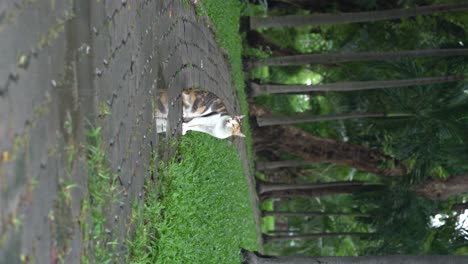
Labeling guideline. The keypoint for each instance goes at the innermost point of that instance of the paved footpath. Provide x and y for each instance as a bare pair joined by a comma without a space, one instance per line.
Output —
67,67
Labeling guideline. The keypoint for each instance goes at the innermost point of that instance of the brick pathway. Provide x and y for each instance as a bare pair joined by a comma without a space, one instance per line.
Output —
67,66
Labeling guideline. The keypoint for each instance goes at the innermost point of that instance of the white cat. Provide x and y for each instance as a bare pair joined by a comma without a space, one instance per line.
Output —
217,125
203,111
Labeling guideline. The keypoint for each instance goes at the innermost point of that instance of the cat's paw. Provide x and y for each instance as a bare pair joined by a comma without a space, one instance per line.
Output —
184,129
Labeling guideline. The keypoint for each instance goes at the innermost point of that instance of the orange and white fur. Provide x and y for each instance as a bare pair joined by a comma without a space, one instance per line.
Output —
217,125
203,112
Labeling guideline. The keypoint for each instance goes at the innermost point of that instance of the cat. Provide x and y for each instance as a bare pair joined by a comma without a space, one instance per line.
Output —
217,125
203,111
198,103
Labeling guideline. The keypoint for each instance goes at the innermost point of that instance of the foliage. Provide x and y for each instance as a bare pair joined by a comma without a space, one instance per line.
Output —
201,213
102,188
431,140
428,138
402,222
327,246
400,219
436,242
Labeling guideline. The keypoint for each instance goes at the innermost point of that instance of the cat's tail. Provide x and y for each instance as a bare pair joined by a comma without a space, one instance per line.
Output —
161,125
162,105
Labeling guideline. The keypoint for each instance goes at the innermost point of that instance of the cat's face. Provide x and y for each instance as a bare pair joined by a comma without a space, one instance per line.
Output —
235,124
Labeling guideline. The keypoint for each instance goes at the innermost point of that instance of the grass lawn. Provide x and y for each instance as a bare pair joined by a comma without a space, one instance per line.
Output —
225,16
200,211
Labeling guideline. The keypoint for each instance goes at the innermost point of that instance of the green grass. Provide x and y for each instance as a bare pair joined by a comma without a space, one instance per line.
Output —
201,212
102,188
225,17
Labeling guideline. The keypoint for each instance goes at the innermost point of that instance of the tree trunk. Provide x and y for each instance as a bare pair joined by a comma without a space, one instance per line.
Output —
322,6
334,187
442,190
310,213
332,58
306,5
297,142
267,238
259,89
275,190
352,17
256,258
271,165
303,118
312,193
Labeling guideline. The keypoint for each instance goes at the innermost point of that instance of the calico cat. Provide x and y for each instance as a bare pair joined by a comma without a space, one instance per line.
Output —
217,125
197,103
203,111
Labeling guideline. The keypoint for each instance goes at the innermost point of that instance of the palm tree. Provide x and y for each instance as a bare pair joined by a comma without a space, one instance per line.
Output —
293,140
443,189
259,89
333,58
434,137
402,220
351,17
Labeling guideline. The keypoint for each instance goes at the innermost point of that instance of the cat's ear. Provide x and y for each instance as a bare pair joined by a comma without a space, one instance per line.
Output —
239,134
239,118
